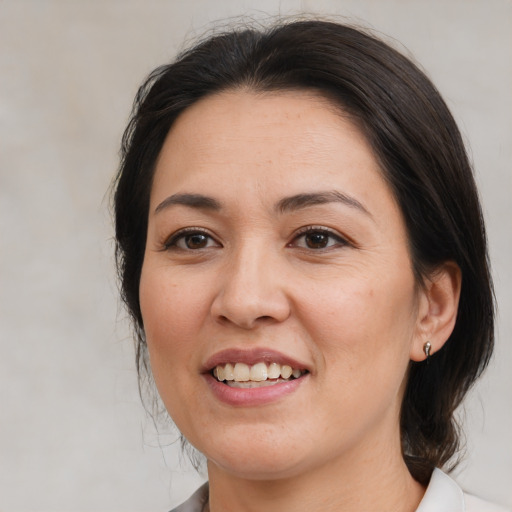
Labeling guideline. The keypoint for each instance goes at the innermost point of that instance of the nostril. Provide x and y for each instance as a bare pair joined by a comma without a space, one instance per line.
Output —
261,306
247,323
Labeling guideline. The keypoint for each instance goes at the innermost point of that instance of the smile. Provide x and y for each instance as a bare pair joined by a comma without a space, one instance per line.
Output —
241,375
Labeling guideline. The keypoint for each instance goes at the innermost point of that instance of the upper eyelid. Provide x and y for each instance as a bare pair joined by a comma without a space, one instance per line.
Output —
168,241
171,239
343,240
323,229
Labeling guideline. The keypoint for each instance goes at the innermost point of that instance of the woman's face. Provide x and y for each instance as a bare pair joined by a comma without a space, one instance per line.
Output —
274,242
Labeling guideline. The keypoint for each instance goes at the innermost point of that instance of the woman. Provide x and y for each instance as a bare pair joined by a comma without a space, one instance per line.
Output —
302,250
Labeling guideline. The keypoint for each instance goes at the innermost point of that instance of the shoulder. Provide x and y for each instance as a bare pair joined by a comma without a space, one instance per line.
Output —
443,494
196,502
474,504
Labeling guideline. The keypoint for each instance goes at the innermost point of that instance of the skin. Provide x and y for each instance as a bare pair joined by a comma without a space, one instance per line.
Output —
351,311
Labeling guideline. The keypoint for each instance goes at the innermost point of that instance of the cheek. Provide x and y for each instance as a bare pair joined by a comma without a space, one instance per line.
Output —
363,325
172,313
366,335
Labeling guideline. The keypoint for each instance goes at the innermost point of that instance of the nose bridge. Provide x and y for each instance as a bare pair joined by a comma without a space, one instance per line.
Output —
251,287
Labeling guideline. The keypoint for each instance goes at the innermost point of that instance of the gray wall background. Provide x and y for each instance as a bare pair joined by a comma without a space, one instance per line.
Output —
73,435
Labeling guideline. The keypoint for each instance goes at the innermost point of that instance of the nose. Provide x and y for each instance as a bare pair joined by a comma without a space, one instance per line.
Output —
252,290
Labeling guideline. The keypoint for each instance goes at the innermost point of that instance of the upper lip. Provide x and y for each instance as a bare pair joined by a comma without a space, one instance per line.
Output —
250,357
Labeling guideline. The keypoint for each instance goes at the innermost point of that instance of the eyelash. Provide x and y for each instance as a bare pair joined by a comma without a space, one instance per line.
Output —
182,234
309,230
172,242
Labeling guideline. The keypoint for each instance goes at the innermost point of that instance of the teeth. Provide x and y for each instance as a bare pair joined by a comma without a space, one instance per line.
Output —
228,372
274,371
286,371
241,372
220,373
251,384
257,373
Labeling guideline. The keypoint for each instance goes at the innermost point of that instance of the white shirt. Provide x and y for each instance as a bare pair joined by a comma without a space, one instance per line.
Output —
442,495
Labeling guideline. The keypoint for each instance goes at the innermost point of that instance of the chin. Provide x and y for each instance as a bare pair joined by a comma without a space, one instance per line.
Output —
256,456
259,468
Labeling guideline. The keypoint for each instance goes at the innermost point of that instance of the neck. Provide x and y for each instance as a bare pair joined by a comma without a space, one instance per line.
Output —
377,483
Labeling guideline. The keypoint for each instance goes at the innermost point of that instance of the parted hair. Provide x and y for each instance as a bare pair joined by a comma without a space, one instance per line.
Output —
422,156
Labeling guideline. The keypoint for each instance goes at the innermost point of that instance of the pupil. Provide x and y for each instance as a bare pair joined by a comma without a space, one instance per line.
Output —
196,241
316,240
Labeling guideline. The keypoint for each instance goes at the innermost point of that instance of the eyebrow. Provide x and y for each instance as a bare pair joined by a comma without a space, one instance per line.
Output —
287,204
191,200
300,201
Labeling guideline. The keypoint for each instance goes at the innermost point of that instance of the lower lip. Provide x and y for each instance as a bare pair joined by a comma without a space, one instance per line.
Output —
247,397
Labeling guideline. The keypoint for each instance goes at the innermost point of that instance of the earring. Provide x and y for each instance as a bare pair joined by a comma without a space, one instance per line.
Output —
426,349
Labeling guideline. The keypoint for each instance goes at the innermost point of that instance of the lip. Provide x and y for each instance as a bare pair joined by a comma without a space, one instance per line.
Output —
250,397
250,357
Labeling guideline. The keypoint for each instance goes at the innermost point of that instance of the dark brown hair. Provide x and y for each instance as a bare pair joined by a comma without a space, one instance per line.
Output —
422,156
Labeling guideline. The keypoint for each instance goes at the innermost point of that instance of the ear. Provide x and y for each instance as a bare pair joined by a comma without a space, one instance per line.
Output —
437,309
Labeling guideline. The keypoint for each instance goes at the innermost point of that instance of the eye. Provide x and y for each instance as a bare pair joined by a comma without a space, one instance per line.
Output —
317,238
191,239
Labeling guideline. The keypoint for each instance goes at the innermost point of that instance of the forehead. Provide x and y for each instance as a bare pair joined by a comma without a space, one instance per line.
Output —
263,117
278,143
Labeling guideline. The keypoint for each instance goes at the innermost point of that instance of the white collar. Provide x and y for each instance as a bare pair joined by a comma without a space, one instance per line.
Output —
442,495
